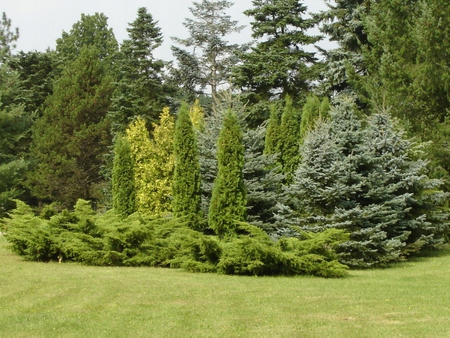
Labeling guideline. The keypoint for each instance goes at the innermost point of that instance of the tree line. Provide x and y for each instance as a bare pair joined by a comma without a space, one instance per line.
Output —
259,147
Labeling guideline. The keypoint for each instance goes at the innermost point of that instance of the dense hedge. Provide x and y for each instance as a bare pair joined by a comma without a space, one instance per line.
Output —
139,240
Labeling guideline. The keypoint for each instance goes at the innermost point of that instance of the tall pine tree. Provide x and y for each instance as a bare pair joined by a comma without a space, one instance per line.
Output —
72,137
212,54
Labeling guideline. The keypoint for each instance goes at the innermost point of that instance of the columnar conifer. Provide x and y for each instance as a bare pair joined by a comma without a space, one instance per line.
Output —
186,181
123,187
313,111
272,131
228,202
138,137
162,163
288,142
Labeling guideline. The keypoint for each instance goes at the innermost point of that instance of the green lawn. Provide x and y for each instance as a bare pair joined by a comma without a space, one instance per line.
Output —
51,299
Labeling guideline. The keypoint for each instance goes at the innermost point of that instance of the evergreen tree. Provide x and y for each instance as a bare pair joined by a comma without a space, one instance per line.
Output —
153,164
262,180
187,180
7,37
278,64
289,140
408,68
140,90
186,76
138,138
92,32
261,174
313,111
37,72
228,201
162,164
272,131
343,23
71,138
123,185
207,32
14,131
197,116
366,182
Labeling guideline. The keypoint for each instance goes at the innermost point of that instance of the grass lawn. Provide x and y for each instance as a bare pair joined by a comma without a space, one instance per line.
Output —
51,299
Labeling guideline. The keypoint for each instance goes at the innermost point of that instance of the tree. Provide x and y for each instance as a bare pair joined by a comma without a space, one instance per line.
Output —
14,130
162,163
153,164
367,182
7,37
343,23
207,33
228,201
261,174
186,180
289,140
138,138
313,111
408,67
140,90
197,116
91,31
186,75
37,72
272,131
123,185
72,136
278,65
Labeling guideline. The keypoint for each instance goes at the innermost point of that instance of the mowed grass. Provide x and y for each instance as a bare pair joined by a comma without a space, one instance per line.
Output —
59,300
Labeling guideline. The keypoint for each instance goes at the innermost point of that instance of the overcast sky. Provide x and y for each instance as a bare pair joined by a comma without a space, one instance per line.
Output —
41,22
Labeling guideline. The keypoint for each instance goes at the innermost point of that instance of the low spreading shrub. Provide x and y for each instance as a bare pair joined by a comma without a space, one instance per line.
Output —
140,240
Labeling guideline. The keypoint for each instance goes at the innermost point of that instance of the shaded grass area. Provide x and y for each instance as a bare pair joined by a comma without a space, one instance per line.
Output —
71,300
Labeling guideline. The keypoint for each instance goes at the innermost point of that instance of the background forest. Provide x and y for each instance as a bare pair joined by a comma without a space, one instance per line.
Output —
262,158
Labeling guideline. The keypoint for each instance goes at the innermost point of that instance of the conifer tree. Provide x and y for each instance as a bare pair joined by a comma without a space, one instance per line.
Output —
197,116
162,164
289,141
228,202
123,185
343,23
92,32
312,112
14,131
139,90
72,137
272,131
212,55
138,138
278,65
366,182
8,37
153,164
262,177
186,180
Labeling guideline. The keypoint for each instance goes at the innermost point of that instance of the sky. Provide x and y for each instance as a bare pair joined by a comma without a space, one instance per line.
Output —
41,22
